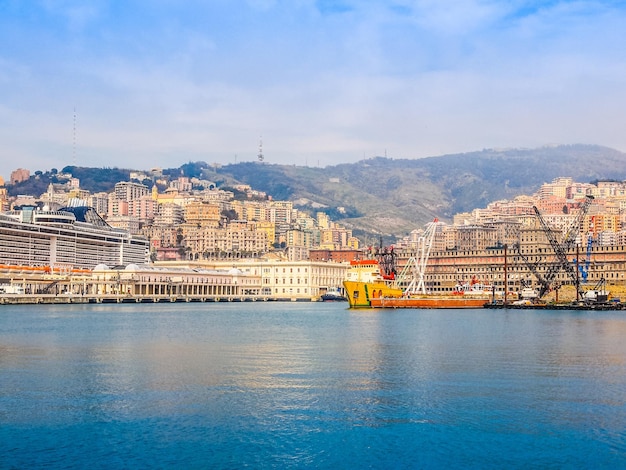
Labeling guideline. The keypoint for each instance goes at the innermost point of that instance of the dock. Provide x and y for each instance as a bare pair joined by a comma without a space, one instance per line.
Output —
33,299
559,306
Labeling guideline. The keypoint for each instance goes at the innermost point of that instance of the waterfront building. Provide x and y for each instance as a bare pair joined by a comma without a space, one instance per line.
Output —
446,269
282,279
132,283
143,281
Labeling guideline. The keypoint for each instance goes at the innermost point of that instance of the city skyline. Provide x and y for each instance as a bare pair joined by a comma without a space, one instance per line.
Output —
144,84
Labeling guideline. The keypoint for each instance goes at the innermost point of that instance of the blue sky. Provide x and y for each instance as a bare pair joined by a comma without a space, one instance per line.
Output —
164,82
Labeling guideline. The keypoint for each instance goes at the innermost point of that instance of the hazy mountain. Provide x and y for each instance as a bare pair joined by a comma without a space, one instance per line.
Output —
394,196
390,196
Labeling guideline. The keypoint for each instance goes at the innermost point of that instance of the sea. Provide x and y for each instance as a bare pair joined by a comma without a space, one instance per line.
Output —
309,385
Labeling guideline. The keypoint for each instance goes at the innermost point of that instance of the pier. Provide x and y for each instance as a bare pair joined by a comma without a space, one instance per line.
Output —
31,299
559,306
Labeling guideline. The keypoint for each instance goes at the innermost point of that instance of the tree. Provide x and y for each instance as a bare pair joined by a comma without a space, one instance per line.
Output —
230,214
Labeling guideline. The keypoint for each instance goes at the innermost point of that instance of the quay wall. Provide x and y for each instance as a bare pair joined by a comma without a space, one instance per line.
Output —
33,299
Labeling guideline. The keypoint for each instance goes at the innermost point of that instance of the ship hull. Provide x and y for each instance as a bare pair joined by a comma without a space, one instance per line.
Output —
457,301
360,294
333,298
382,295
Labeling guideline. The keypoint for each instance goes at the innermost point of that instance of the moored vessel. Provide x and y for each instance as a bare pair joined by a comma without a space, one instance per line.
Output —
372,283
333,294
367,288
371,278
364,282
430,301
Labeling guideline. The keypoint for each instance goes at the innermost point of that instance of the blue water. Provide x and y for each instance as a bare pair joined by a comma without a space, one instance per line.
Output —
275,385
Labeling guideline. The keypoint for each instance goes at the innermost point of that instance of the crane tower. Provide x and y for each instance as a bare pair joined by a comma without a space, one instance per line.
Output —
417,264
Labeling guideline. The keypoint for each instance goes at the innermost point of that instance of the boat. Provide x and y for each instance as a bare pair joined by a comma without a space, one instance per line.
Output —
371,278
430,301
365,281
333,294
373,283
381,293
69,239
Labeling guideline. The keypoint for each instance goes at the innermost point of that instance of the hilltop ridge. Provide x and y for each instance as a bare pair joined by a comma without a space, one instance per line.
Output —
392,196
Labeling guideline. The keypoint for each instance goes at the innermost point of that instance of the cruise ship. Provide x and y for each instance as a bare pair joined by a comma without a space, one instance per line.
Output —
71,238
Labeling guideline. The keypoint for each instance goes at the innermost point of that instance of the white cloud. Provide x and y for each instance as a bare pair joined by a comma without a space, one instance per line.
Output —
416,78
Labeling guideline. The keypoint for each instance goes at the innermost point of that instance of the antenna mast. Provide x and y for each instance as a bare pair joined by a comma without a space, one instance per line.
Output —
260,156
74,140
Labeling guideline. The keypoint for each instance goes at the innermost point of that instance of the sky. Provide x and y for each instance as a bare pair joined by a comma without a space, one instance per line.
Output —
158,83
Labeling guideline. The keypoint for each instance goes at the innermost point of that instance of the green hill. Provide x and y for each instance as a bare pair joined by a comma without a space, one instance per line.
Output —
389,196
394,196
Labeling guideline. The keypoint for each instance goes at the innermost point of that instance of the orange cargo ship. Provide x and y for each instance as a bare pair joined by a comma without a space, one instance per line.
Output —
430,301
368,286
372,283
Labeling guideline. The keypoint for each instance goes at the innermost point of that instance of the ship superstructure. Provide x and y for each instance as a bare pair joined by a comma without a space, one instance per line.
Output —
68,238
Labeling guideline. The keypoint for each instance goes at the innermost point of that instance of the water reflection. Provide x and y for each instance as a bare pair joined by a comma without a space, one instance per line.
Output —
288,383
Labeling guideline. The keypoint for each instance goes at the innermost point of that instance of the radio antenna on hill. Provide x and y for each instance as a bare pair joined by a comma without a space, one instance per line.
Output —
260,155
74,140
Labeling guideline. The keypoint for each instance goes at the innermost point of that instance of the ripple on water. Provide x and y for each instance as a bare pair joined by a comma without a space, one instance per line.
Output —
299,385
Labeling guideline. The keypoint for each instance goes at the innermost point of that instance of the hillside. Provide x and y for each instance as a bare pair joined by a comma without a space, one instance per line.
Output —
391,196
394,196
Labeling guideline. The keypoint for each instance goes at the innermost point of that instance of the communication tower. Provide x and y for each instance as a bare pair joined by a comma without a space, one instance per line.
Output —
260,155
74,139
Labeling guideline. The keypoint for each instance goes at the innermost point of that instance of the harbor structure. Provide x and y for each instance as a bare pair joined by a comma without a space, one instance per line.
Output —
266,280
447,269
281,278
132,283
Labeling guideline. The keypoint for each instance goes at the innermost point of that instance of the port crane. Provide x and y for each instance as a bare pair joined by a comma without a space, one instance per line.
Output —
417,264
532,267
561,249
584,268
